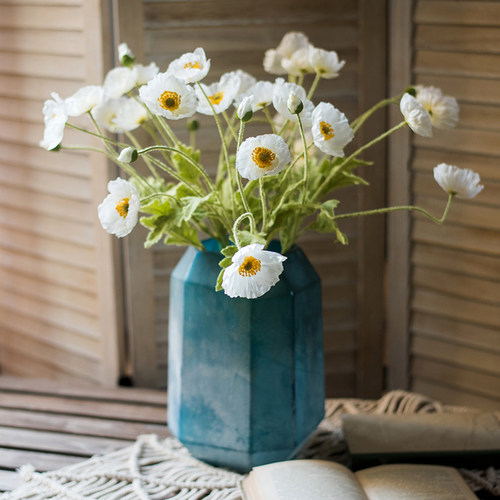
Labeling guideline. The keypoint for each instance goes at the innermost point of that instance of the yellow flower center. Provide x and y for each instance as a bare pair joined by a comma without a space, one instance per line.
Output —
250,267
326,130
170,100
216,98
122,207
263,157
190,65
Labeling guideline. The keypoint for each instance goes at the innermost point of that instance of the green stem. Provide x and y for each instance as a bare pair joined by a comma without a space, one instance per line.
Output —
237,222
263,203
137,146
230,125
314,85
101,136
356,124
269,119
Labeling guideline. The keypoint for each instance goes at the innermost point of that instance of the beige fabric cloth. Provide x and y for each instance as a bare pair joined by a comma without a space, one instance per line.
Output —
157,470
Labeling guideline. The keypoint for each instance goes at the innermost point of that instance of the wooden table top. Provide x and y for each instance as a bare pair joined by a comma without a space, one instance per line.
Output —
51,424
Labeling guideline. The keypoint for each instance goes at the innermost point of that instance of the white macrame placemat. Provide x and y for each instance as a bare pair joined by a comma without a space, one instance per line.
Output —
156,470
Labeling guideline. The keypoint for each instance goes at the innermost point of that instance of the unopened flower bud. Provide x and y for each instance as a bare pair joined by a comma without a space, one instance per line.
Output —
126,56
193,125
412,91
294,104
128,155
245,111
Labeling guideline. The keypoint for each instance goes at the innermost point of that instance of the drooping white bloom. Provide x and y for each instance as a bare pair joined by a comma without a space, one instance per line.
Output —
325,62
168,96
417,118
244,111
119,81
281,93
462,182
294,104
443,110
127,155
125,55
298,63
119,211
253,272
84,100
106,112
145,73
130,114
272,62
190,67
330,129
220,94
265,154
55,116
262,95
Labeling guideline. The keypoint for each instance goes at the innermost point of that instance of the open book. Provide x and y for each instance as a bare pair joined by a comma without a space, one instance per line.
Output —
323,480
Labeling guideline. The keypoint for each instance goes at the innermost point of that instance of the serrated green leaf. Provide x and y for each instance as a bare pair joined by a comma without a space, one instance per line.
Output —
247,238
225,262
218,284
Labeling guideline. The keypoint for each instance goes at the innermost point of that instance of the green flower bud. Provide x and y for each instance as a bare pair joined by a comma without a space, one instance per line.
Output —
128,155
193,125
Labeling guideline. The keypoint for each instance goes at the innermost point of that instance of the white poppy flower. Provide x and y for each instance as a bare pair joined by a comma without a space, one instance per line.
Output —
125,55
220,94
265,154
84,99
190,67
145,73
246,80
119,211
417,118
443,110
330,129
261,93
130,114
272,62
55,116
119,81
325,62
106,112
244,111
253,272
298,63
462,182
291,42
281,93
167,96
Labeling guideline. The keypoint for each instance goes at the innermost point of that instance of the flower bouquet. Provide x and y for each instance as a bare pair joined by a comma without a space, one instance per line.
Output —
245,377
277,185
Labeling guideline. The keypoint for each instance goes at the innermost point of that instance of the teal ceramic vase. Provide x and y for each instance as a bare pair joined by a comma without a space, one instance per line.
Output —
245,376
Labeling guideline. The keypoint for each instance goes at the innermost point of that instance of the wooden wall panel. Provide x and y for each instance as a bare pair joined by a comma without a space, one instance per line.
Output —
454,278
237,38
58,314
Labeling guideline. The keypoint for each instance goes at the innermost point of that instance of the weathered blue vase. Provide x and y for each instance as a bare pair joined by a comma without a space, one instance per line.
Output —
245,376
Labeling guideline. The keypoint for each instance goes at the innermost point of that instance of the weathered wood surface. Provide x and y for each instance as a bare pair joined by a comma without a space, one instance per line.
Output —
51,424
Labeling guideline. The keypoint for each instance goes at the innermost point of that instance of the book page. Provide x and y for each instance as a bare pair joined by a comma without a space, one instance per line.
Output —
414,482
300,480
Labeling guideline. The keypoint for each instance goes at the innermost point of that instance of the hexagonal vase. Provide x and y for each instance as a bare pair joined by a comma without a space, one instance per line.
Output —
245,376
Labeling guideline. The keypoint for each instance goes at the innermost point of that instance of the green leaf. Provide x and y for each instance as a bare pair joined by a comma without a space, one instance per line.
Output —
247,238
218,284
157,225
229,251
185,234
225,262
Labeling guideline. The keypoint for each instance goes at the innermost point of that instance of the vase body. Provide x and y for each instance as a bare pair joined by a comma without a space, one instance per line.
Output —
245,376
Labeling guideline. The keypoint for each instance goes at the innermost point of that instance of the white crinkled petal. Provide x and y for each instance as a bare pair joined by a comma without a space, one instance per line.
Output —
417,118
463,182
119,81
84,99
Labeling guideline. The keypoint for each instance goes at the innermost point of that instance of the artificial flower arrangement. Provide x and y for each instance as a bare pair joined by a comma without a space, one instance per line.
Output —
275,185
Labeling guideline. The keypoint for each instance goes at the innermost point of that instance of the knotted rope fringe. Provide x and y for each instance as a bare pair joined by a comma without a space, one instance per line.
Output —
154,470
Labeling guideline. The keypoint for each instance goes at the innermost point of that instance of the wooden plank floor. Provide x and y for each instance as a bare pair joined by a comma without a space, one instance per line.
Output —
51,424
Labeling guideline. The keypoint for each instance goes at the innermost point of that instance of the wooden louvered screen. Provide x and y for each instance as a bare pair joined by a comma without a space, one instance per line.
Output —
237,38
454,307
58,307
